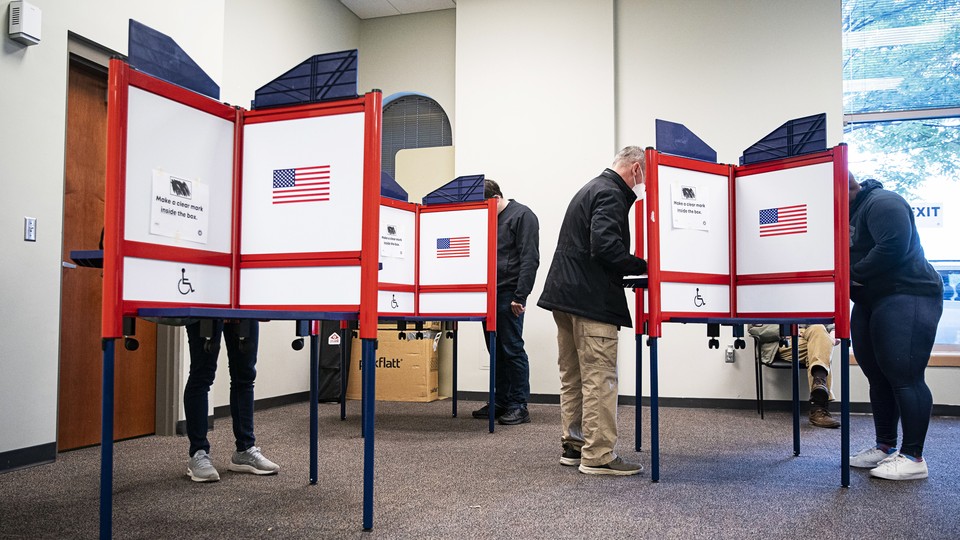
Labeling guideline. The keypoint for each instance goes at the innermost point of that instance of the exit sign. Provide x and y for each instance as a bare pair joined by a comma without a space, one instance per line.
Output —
928,214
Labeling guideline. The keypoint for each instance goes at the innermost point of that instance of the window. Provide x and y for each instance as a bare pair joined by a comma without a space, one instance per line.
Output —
901,71
411,121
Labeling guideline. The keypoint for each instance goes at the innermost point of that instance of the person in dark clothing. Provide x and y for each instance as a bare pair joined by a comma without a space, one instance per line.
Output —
898,300
584,291
518,257
242,357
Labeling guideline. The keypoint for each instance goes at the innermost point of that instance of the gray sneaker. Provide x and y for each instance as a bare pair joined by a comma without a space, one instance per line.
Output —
617,467
201,469
252,461
869,458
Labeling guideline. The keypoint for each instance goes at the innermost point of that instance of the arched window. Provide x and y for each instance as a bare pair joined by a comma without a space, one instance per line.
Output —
411,121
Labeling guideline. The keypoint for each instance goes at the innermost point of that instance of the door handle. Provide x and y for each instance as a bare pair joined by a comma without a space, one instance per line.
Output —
68,264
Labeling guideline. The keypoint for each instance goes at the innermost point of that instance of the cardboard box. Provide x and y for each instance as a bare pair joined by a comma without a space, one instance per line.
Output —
406,369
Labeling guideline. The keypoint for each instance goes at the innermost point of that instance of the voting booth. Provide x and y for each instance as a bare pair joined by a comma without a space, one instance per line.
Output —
761,242
217,212
754,241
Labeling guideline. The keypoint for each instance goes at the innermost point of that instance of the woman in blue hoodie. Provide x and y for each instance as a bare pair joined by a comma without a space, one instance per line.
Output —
898,300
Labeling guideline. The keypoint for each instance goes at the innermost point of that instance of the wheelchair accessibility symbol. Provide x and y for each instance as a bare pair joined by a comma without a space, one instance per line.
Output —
393,301
184,285
698,300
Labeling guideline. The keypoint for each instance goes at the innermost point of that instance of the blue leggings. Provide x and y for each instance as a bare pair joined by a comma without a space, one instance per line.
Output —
892,340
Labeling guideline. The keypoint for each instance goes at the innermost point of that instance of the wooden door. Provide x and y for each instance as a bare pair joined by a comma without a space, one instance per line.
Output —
81,360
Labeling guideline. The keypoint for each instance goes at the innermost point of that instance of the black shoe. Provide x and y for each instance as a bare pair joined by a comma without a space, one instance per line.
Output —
484,412
570,456
819,393
515,416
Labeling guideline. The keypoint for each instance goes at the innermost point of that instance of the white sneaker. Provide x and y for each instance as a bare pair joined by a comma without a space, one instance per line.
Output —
900,467
869,458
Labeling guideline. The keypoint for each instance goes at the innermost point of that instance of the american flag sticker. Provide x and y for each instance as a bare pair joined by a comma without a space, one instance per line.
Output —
783,220
454,246
302,184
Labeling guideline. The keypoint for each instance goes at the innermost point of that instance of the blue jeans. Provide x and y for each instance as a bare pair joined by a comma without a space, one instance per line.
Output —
512,377
203,368
892,340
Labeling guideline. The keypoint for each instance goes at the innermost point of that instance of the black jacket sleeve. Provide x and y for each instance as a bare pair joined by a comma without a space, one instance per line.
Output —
528,244
606,237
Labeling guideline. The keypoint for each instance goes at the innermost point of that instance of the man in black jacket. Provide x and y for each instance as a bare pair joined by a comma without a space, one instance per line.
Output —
584,290
897,303
518,256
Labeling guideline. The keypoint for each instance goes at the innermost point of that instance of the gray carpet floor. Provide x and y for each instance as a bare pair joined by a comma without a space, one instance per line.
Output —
724,474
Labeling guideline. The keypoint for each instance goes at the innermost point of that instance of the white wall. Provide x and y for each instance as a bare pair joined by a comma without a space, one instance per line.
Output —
262,40
33,108
535,112
411,53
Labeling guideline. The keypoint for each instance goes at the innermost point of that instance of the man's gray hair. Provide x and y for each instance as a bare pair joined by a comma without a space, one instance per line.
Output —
630,155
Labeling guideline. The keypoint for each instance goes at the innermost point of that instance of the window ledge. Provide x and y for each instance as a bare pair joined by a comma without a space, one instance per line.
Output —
937,359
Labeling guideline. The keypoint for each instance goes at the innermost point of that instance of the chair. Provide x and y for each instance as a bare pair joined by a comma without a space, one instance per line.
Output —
778,363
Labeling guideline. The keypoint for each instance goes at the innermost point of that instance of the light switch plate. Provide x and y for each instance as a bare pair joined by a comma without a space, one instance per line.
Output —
30,229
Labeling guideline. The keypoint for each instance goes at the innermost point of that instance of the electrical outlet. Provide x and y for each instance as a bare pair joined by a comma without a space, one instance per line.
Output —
729,356
29,229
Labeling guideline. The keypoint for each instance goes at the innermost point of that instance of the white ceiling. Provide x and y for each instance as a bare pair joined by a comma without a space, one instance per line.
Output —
369,9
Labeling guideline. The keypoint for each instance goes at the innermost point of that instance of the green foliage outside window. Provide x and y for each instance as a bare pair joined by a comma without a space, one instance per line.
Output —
902,55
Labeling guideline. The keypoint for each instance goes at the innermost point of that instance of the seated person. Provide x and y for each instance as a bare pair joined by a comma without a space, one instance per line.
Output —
815,350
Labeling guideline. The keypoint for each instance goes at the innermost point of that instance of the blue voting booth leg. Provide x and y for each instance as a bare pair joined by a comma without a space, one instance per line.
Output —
106,442
637,432
492,400
344,335
453,389
845,412
314,382
368,399
795,350
654,414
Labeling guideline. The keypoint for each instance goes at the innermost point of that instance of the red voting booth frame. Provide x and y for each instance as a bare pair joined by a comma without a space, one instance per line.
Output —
117,310
489,288
839,276
115,307
650,316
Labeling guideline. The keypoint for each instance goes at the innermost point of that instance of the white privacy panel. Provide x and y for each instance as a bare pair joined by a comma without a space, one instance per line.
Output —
694,221
694,297
169,281
458,303
303,185
786,298
785,220
300,286
395,303
179,174
397,248
453,247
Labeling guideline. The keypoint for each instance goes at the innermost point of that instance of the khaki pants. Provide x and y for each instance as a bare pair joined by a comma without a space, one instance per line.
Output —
588,386
815,349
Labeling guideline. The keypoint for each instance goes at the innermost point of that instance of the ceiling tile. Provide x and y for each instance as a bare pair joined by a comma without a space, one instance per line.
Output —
369,9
